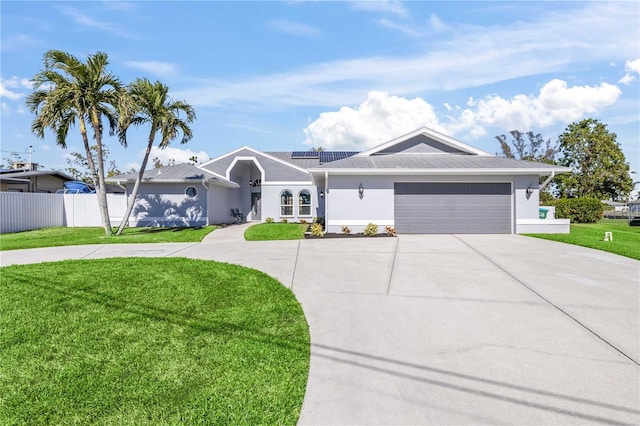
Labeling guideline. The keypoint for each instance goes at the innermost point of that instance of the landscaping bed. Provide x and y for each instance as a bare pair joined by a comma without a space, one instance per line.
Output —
308,236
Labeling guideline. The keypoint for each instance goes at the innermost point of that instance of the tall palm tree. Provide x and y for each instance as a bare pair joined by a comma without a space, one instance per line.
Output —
69,91
149,104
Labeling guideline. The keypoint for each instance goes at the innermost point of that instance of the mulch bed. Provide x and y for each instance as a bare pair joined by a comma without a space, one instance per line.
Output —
335,235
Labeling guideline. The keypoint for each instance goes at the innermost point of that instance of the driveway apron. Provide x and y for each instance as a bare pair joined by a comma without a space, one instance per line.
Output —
445,329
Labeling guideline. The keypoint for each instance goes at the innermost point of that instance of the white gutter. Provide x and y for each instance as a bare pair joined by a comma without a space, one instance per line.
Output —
447,171
547,181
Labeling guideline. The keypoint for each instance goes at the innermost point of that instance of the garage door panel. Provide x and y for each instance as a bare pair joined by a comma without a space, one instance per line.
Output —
432,207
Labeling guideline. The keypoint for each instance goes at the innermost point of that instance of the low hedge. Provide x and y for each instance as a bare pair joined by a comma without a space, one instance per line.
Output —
579,210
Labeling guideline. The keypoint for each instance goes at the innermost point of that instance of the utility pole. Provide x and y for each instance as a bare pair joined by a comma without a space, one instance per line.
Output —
30,158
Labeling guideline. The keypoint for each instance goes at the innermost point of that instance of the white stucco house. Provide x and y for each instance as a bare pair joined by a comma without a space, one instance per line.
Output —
421,182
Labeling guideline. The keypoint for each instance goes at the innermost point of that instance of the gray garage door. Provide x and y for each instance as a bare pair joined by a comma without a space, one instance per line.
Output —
453,208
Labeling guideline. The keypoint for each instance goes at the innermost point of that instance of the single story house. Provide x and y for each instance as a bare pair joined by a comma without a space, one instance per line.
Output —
421,182
25,180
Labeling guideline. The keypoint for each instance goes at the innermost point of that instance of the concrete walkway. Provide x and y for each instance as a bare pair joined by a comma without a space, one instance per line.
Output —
445,329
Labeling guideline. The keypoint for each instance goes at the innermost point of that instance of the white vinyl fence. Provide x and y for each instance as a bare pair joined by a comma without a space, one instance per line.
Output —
21,211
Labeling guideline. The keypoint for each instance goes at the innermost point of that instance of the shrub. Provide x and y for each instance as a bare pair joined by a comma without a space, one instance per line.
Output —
371,230
579,210
284,220
268,220
390,230
303,222
346,230
319,220
316,230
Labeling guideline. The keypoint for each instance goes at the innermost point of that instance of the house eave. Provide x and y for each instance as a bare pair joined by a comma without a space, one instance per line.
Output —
440,172
211,181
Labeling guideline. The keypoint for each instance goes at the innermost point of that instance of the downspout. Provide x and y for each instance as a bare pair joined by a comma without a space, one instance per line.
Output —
204,185
326,201
121,187
547,182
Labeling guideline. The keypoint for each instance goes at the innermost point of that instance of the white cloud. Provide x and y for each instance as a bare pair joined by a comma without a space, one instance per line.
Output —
85,20
382,117
132,166
631,68
176,154
468,56
556,103
293,28
382,6
7,87
163,69
379,118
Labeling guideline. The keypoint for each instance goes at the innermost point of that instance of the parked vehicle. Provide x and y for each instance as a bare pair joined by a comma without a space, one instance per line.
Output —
76,187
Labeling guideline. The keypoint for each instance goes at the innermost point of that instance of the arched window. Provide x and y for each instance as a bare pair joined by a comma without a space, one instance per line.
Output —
304,203
286,203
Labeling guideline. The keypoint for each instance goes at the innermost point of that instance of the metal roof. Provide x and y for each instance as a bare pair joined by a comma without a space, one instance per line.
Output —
451,162
176,173
310,159
26,174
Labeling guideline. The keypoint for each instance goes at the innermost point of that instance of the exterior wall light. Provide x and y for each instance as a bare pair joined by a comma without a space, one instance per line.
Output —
529,191
321,194
361,190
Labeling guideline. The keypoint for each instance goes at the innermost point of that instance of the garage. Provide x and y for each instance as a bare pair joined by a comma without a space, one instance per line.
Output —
453,207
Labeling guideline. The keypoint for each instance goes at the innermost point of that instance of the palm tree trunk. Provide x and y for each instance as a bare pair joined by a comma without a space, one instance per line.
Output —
87,148
101,190
136,186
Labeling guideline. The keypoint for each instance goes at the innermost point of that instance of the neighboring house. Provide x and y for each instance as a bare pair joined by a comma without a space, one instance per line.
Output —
422,182
25,180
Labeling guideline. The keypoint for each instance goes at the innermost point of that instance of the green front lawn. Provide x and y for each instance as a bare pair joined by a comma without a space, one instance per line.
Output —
626,239
149,341
63,236
275,231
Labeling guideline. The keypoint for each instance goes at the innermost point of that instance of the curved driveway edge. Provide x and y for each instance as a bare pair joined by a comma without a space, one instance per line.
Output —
445,329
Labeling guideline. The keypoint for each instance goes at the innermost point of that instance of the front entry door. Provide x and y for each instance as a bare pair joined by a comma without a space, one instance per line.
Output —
256,213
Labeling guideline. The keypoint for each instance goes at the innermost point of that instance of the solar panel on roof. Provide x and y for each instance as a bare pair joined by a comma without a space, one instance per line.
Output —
331,156
304,154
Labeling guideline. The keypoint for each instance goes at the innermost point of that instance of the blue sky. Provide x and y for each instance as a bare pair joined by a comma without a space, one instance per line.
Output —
282,76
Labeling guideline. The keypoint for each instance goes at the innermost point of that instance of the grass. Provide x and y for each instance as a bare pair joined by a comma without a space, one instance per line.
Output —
275,231
149,341
626,239
64,236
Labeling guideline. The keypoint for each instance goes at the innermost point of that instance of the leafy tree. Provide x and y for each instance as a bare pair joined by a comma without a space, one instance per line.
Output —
533,148
67,91
148,103
79,165
599,167
13,157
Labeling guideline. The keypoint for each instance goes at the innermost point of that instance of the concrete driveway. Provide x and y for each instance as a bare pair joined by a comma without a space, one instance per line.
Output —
446,329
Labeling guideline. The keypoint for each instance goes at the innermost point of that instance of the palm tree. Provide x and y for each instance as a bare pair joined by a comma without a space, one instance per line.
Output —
69,90
149,104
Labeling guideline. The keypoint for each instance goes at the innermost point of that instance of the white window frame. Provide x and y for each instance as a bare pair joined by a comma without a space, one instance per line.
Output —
301,205
285,206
